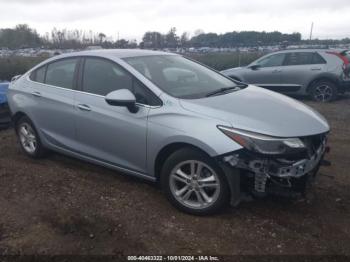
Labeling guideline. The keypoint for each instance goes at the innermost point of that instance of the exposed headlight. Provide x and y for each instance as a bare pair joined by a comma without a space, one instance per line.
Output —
263,144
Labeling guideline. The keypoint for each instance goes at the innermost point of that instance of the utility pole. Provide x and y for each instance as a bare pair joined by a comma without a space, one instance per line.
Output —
312,27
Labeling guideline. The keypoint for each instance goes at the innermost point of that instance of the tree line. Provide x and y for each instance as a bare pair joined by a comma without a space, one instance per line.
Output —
22,36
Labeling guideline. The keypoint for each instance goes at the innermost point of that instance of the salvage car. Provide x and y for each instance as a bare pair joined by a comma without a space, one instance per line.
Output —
206,138
322,74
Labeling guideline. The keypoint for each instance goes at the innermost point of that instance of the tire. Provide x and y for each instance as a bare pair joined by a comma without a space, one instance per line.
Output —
29,139
176,177
324,91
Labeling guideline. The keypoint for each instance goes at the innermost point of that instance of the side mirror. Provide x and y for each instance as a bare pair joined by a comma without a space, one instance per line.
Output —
254,67
122,97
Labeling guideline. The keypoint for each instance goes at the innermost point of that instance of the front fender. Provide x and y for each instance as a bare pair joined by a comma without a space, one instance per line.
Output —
197,132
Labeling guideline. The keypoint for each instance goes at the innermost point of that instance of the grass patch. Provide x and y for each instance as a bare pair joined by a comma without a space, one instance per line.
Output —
17,65
221,61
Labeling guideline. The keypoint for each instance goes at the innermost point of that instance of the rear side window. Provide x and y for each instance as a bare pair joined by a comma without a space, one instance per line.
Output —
61,73
38,75
102,77
317,59
303,58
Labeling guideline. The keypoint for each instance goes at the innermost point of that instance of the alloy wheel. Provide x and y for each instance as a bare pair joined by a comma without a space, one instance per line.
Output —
194,184
28,138
323,93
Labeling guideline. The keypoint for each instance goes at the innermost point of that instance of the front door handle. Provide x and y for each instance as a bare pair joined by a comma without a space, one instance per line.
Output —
84,107
277,71
36,94
315,68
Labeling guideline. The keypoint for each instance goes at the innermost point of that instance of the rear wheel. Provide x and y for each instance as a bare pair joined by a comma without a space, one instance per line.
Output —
28,138
324,91
194,183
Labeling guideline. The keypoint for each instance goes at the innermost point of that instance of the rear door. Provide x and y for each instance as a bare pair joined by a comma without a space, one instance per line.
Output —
299,69
53,91
108,133
268,71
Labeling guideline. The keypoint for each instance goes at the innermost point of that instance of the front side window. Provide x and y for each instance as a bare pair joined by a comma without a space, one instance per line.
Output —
180,77
61,73
101,77
272,60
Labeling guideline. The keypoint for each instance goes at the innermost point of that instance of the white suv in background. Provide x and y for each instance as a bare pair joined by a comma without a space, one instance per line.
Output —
321,74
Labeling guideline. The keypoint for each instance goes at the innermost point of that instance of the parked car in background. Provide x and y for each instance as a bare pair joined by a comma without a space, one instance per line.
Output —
4,111
321,74
207,139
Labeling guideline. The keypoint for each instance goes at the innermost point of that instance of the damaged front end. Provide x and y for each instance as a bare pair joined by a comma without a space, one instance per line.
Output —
286,173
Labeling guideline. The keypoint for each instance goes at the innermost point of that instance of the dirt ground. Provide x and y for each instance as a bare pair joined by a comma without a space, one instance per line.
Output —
61,205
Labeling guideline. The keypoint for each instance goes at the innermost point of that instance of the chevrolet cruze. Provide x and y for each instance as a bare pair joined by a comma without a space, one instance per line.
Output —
207,139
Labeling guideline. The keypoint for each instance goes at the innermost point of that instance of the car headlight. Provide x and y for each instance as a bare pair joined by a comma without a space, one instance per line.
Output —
263,144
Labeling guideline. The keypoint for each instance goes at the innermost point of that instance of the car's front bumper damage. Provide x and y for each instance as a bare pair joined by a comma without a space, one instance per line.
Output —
261,175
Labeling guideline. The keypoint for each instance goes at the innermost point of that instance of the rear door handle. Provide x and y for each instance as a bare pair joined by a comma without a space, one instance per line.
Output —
84,107
36,94
277,71
315,68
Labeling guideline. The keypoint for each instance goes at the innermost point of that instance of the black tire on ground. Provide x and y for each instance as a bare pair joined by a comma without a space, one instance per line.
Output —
40,151
323,91
187,154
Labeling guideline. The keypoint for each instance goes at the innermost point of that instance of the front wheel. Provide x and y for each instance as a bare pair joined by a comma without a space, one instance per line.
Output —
324,91
194,183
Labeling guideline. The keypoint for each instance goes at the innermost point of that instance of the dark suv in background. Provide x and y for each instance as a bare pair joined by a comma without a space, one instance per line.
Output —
321,74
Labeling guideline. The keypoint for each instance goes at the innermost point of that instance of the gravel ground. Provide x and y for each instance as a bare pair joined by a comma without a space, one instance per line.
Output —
61,205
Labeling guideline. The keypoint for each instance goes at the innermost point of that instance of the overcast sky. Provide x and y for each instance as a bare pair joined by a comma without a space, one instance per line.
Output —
131,18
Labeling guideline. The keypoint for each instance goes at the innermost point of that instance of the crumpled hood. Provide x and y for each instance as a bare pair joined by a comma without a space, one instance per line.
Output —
259,110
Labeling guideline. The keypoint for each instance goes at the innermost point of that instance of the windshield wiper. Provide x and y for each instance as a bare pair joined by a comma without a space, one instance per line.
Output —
222,90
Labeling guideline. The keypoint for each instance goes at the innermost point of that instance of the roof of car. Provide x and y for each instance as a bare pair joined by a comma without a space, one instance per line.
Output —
120,53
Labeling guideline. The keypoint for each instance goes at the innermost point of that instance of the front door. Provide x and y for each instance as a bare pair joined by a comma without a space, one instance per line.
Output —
267,71
111,134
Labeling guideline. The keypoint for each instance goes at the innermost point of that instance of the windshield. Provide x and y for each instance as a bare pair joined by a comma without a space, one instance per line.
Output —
180,77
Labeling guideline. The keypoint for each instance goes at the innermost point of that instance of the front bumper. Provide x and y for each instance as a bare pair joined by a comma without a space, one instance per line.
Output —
282,176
